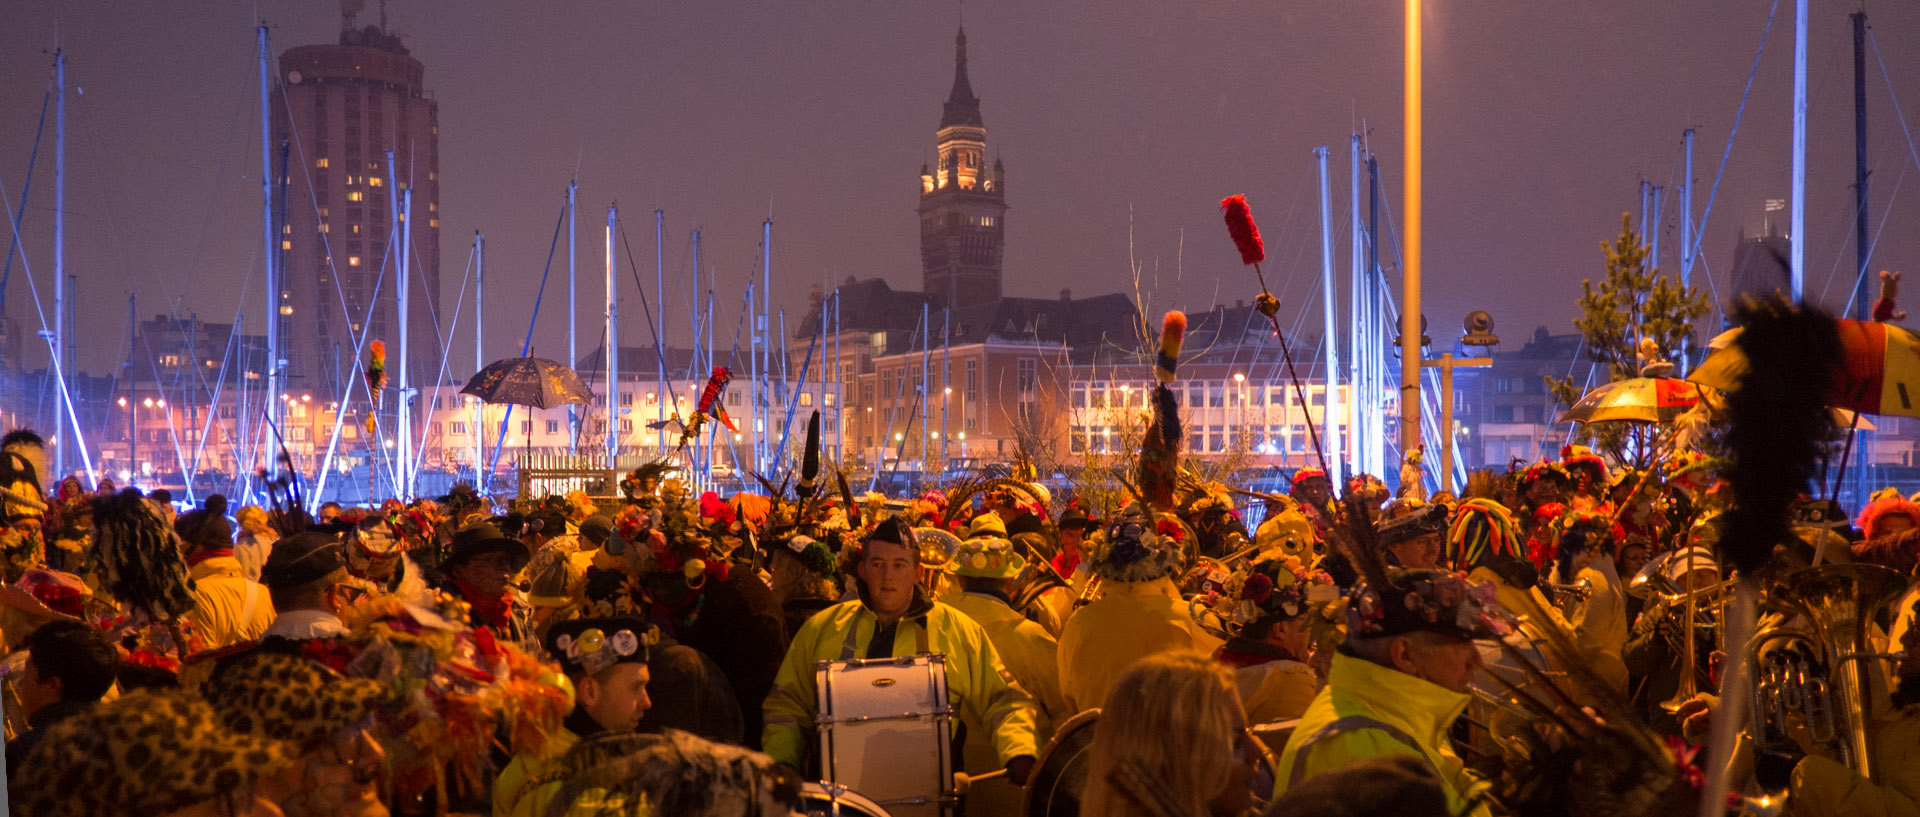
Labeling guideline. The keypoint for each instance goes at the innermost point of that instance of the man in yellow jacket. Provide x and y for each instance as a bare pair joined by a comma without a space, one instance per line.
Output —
1399,682
606,661
893,618
1139,612
229,608
987,565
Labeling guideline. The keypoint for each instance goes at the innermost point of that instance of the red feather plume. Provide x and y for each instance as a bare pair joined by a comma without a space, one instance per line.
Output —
1240,225
711,394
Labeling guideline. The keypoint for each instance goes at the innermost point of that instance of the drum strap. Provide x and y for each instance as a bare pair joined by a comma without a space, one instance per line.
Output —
1350,723
849,649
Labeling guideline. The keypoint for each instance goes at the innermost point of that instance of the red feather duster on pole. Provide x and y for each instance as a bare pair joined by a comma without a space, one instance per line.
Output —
1240,225
376,368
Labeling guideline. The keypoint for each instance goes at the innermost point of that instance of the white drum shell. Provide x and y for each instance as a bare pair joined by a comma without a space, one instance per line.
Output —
885,728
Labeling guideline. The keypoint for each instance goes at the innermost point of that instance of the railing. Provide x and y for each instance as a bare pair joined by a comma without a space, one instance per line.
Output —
550,474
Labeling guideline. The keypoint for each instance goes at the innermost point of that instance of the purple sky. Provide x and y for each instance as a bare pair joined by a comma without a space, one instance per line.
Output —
1111,116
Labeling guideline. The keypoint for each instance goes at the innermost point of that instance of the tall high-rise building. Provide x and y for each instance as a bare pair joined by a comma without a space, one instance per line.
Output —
341,108
963,205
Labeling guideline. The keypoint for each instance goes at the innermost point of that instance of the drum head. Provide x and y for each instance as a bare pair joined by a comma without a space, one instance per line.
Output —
1054,788
828,800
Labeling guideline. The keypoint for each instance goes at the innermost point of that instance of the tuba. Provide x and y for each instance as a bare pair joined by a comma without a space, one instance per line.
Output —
1825,673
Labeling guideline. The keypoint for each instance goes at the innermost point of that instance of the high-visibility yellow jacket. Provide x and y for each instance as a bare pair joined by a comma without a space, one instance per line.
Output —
1368,711
1822,786
978,684
519,791
1130,621
1029,654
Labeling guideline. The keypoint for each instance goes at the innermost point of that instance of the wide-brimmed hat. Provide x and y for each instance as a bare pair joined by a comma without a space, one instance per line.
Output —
302,558
987,557
1413,524
1076,517
289,698
148,752
482,537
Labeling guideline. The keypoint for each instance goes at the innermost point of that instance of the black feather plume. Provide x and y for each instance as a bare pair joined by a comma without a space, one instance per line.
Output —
1779,417
810,461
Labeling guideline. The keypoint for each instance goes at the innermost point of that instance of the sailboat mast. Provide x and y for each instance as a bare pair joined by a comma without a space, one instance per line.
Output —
405,405
60,339
479,353
1330,340
612,350
573,305
660,313
1798,221
1366,437
275,386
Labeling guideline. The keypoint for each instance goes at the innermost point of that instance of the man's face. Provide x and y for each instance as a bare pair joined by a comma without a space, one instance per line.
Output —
1632,558
329,512
1543,491
617,697
1071,536
1421,551
36,691
487,572
1294,636
1445,660
889,569
1316,491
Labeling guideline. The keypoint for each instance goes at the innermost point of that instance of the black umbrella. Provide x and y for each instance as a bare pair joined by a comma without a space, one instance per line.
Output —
528,381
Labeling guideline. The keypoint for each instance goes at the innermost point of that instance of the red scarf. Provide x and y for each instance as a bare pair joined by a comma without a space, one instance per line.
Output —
495,611
204,555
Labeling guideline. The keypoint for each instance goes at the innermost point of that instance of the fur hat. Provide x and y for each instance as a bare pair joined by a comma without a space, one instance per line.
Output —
1873,518
268,694
145,753
1137,547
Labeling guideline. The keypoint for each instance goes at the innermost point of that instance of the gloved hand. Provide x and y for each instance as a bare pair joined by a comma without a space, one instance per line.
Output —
1773,765
1019,769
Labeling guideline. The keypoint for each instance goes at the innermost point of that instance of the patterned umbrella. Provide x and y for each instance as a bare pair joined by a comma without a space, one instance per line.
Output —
1639,399
528,381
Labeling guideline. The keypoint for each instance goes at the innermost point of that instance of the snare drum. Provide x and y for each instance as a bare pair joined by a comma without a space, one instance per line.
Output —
1053,790
828,800
886,730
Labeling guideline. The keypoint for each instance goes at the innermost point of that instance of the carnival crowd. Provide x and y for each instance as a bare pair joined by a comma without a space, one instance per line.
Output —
1550,636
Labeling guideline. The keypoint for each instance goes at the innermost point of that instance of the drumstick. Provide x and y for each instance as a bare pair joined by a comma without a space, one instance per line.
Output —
963,781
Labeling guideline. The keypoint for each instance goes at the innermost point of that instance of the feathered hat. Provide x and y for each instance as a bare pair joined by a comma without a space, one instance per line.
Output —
1579,460
1873,518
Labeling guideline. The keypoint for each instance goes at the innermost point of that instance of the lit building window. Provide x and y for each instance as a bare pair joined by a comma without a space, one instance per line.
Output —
353,260
286,245
355,195
324,228
285,310
320,163
433,222
373,181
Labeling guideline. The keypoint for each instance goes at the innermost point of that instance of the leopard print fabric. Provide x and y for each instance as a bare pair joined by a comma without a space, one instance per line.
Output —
290,698
146,753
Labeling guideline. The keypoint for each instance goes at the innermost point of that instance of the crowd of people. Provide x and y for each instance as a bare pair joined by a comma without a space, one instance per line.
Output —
1546,642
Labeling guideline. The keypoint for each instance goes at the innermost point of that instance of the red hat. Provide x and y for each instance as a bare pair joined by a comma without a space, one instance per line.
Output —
1305,474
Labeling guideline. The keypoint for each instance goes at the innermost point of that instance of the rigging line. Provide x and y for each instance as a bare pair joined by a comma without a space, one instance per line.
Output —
526,347
347,384
66,398
33,159
446,344
659,349
1700,230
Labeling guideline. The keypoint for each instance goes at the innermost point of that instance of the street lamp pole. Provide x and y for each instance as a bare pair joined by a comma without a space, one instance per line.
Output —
1410,263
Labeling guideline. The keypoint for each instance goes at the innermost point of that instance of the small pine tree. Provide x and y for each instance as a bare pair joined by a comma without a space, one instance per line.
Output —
1634,302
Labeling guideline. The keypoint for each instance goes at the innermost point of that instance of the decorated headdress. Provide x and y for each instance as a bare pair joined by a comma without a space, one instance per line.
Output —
585,646
1542,470
1435,601
1158,472
672,772
1301,476
1271,589
1415,523
1579,459
1873,517
23,474
1137,547
1686,461
987,557
812,553
1578,531
1287,531
1482,528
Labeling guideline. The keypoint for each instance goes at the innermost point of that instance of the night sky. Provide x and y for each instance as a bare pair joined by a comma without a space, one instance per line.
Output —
1121,123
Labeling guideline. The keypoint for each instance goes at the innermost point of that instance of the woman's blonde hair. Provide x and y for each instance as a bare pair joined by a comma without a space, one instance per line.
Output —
1174,717
252,517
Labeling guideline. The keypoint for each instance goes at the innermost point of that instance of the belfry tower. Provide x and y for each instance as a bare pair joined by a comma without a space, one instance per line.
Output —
962,205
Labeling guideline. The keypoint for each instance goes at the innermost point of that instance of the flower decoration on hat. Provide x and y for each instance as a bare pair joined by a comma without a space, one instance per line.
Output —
987,557
1688,461
20,551
1272,588
1543,470
1138,548
1425,600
